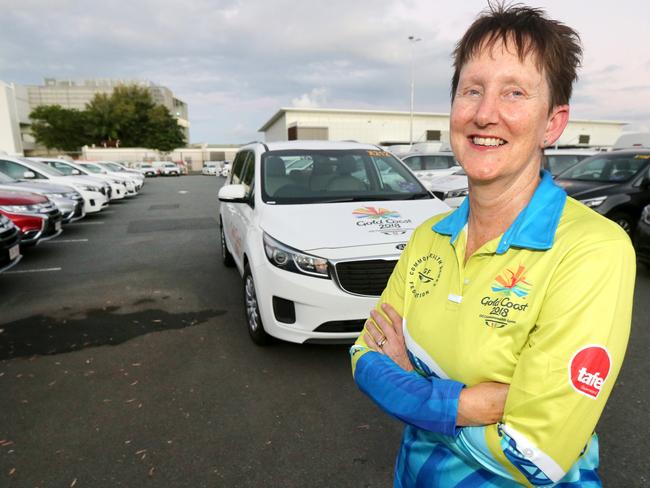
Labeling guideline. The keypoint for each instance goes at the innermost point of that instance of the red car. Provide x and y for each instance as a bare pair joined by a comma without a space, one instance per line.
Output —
35,215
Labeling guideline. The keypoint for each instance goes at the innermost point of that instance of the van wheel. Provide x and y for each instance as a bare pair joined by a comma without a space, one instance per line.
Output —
226,257
253,318
624,220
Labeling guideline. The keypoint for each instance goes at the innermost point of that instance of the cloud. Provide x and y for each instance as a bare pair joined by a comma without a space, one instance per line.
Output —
235,63
314,99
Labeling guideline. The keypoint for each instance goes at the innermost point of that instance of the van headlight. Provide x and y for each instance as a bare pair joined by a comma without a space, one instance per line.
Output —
289,259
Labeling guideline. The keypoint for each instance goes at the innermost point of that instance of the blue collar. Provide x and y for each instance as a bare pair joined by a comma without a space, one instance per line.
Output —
534,227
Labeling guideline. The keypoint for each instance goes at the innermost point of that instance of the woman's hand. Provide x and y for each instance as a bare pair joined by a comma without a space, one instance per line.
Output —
386,336
482,404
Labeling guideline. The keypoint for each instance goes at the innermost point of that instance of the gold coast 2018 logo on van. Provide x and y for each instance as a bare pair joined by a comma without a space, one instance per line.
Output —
424,274
511,289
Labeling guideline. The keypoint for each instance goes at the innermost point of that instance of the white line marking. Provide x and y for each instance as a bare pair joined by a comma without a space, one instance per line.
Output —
43,270
182,192
58,241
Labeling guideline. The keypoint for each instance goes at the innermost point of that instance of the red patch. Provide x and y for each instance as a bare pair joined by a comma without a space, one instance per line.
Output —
588,370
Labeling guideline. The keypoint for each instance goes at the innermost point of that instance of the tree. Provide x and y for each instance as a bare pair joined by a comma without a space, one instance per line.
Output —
128,117
60,128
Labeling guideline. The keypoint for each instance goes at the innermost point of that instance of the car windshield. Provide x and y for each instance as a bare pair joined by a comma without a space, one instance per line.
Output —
328,176
558,163
63,168
93,168
146,166
6,179
608,168
112,166
42,167
429,162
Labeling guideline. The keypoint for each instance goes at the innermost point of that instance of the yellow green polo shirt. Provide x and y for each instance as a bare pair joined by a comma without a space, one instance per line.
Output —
545,307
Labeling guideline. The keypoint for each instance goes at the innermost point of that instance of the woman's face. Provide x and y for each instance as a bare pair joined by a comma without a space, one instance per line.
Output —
500,115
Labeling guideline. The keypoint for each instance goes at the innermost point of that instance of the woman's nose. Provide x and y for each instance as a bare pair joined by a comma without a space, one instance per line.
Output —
487,111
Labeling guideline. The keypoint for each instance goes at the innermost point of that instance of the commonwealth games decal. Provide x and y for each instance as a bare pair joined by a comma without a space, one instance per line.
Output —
377,219
511,282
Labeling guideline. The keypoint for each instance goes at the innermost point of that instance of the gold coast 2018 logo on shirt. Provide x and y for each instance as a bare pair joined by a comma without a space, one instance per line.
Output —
424,274
511,289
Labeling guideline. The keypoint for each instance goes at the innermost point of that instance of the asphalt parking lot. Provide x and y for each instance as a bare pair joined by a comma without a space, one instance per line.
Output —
125,361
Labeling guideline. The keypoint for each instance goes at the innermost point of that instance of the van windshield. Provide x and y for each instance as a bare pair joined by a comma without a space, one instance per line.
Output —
328,176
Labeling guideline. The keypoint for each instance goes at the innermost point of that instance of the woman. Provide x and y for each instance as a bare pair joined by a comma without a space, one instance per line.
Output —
521,291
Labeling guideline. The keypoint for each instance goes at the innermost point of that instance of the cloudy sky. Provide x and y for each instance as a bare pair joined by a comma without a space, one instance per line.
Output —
236,62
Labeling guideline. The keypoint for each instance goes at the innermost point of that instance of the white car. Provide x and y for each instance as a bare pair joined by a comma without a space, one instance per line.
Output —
559,160
147,169
96,169
225,169
169,169
120,169
210,168
69,168
94,193
316,246
452,189
427,166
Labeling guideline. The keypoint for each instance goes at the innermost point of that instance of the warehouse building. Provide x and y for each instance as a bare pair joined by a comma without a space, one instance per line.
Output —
390,128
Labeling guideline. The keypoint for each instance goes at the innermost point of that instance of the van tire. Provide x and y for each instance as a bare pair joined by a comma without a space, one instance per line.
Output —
251,309
226,257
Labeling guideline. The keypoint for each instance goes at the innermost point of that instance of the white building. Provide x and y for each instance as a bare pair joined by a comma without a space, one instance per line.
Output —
393,128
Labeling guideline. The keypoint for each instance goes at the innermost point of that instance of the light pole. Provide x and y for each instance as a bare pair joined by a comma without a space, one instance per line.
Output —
412,41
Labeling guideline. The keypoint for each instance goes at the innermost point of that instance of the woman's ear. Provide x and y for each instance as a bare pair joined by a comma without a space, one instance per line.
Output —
557,122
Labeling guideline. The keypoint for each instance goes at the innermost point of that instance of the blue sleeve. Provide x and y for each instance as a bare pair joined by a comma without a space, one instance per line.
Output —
426,403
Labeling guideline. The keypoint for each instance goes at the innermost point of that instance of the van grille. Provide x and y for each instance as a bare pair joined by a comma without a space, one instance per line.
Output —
364,277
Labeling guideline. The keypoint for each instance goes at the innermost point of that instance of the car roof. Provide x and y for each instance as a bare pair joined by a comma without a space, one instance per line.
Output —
302,144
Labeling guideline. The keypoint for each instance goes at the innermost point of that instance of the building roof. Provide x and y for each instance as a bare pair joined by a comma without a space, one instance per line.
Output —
284,110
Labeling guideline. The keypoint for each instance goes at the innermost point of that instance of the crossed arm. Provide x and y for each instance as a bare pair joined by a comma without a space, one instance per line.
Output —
481,404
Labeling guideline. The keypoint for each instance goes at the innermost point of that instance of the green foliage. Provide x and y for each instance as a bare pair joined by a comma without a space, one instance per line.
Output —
128,117
60,128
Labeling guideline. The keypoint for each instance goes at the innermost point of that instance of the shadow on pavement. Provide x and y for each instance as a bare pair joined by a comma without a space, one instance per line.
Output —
43,335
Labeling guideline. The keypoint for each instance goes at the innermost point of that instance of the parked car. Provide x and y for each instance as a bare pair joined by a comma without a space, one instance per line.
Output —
9,244
452,188
97,170
431,165
169,169
224,170
642,237
69,201
120,169
615,184
70,168
316,247
210,168
147,169
558,160
35,215
95,195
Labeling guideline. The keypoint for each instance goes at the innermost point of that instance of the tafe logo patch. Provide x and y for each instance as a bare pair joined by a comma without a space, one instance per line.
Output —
589,369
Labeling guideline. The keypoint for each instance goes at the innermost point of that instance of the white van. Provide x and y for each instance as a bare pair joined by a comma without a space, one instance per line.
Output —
628,140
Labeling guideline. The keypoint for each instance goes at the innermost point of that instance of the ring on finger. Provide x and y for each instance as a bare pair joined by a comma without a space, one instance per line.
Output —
382,342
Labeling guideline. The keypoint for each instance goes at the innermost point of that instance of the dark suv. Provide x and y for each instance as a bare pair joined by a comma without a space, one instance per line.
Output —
615,184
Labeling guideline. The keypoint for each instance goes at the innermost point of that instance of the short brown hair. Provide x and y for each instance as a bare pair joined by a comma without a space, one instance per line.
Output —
555,46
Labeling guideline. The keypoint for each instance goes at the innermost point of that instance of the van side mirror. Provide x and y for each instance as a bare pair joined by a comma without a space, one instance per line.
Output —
233,194
76,172
29,175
